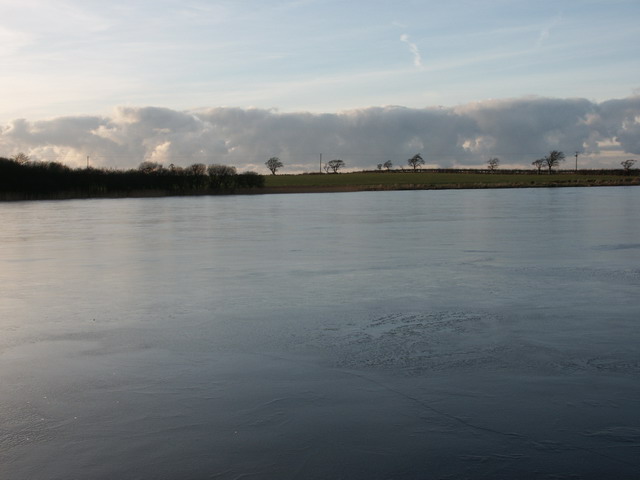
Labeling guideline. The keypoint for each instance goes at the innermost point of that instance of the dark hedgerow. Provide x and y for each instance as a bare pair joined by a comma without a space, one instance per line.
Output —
51,179
249,180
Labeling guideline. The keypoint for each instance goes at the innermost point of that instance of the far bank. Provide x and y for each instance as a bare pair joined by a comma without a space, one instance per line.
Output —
149,185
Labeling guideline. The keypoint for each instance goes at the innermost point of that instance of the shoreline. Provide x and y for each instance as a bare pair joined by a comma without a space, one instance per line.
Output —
633,181
289,189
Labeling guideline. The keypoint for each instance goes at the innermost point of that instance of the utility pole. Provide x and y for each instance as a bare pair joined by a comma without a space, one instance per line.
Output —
87,161
320,163
576,162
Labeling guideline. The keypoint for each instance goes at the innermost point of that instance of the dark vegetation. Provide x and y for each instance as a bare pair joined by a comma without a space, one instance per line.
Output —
34,180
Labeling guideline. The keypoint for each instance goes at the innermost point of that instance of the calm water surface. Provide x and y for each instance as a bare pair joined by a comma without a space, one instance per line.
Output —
428,334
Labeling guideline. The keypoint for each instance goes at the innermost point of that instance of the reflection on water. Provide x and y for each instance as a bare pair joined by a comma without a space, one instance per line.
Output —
417,334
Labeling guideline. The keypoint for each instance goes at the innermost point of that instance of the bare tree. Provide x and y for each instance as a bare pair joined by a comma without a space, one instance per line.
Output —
416,161
379,166
492,164
553,159
538,164
335,165
216,170
199,169
388,165
627,165
274,164
21,158
150,167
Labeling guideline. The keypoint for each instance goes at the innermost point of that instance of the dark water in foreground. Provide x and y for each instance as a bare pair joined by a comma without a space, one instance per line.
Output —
425,334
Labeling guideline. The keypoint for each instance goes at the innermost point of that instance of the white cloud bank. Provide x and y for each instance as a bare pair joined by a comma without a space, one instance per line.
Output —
517,131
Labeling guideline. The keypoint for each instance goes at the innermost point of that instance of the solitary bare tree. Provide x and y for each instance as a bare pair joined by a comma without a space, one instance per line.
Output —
274,164
335,165
388,165
492,164
627,165
416,161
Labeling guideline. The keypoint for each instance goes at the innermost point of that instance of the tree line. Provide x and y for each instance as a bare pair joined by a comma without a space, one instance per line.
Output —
21,176
550,161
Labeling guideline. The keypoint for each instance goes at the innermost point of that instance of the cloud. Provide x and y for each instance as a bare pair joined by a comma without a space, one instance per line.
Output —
545,33
531,126
620,122
413,48
517,131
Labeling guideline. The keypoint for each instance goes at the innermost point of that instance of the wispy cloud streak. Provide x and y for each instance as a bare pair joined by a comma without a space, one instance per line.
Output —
545,33
413,48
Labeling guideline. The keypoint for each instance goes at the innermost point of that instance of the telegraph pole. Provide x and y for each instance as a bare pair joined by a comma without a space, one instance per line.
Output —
87,161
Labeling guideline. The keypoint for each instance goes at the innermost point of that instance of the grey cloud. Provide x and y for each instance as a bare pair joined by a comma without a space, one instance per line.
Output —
516,130
360,136
521,128
620,121
74,134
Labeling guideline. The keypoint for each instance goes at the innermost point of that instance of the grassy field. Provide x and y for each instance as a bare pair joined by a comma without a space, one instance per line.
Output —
434,180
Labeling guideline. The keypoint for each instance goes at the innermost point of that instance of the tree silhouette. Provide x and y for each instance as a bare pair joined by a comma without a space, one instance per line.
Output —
221,175
21,158
335,165
388,165
274,164
199,169
538,164
416,161
627,165
150,167
553,159
33,180
493,163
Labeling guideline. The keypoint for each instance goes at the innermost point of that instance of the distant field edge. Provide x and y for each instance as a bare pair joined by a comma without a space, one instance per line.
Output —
270,189
554,182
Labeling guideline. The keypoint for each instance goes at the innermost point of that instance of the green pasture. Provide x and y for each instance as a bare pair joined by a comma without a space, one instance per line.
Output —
436,179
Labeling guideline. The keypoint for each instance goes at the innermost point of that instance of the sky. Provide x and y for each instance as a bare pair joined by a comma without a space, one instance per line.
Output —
237,82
